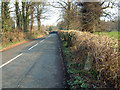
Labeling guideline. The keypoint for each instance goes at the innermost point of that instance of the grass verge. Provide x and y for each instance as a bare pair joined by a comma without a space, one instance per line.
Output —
10,44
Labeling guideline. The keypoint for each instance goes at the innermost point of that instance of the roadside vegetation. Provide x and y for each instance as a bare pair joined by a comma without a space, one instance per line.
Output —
12,38
92,60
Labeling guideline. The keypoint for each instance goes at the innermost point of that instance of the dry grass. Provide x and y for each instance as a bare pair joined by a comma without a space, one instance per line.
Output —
103,50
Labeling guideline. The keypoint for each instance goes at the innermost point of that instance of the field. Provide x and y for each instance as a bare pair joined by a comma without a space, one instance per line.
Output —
112,34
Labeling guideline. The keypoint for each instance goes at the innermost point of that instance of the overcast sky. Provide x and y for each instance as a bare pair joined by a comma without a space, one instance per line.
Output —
52,15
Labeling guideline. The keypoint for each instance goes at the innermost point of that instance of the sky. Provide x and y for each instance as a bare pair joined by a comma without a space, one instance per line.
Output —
52,17
53,14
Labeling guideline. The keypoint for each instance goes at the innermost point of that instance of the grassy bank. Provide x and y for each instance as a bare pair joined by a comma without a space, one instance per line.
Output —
102,51
8,44
12,38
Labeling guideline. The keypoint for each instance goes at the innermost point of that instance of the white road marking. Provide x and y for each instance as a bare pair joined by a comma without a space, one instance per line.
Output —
50,35
39,42
45,39
42,41
33,46
10,60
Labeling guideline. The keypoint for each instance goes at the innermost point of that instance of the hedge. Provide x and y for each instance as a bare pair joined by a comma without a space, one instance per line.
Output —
103,50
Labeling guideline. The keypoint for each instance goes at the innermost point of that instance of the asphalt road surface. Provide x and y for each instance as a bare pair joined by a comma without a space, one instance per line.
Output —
35,64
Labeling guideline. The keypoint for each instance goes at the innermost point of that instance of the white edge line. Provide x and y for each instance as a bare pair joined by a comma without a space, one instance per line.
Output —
33,46
10,60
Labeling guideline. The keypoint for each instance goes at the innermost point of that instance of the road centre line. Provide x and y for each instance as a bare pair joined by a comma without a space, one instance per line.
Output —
45,39
11,60
42,41
33,46
50,35
37,43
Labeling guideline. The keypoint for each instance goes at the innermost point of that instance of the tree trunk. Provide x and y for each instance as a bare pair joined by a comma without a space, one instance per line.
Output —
38,17
39,24
27,15
23,17
32,20
68,15
17,16
2,16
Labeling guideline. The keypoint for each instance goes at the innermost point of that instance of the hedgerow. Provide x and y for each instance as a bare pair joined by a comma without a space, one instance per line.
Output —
102,49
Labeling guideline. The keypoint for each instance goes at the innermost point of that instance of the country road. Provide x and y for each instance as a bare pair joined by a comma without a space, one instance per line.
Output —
35,64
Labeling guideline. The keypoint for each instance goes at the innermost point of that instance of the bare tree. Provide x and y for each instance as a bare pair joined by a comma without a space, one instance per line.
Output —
66,8
92,11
